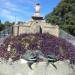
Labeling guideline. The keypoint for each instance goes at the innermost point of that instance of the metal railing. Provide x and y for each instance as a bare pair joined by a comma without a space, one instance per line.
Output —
6,32
67,36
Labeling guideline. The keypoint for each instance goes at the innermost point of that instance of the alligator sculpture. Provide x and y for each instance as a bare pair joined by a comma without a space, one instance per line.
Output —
35,58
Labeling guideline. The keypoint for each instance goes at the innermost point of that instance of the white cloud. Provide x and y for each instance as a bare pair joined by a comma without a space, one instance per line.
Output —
20,8
26,1
8,15
8,5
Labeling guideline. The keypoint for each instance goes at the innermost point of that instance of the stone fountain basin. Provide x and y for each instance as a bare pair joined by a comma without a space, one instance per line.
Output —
41,68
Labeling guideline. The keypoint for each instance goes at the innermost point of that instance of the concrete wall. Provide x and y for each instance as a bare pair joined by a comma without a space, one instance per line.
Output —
34,27
41,68
53,30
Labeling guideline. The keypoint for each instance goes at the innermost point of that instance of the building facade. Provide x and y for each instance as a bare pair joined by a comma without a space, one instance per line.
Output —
36,25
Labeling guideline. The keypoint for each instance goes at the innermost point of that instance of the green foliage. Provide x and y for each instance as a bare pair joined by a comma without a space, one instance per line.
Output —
64,16
1,26
5,24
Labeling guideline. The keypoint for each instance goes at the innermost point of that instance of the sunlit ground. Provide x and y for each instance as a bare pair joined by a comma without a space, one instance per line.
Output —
41,68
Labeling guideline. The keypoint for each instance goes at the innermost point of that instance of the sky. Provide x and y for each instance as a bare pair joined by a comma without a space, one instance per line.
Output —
22,10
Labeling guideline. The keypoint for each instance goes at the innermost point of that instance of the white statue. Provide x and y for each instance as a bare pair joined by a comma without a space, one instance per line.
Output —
9,48
37,10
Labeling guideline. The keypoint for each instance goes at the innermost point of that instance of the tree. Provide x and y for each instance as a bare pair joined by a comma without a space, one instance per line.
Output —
64,16
6,24
1,26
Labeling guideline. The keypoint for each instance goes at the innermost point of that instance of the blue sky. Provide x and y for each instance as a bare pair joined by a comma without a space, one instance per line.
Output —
24,9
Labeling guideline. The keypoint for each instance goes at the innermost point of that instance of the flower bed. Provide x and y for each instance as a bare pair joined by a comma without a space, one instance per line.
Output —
46,43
